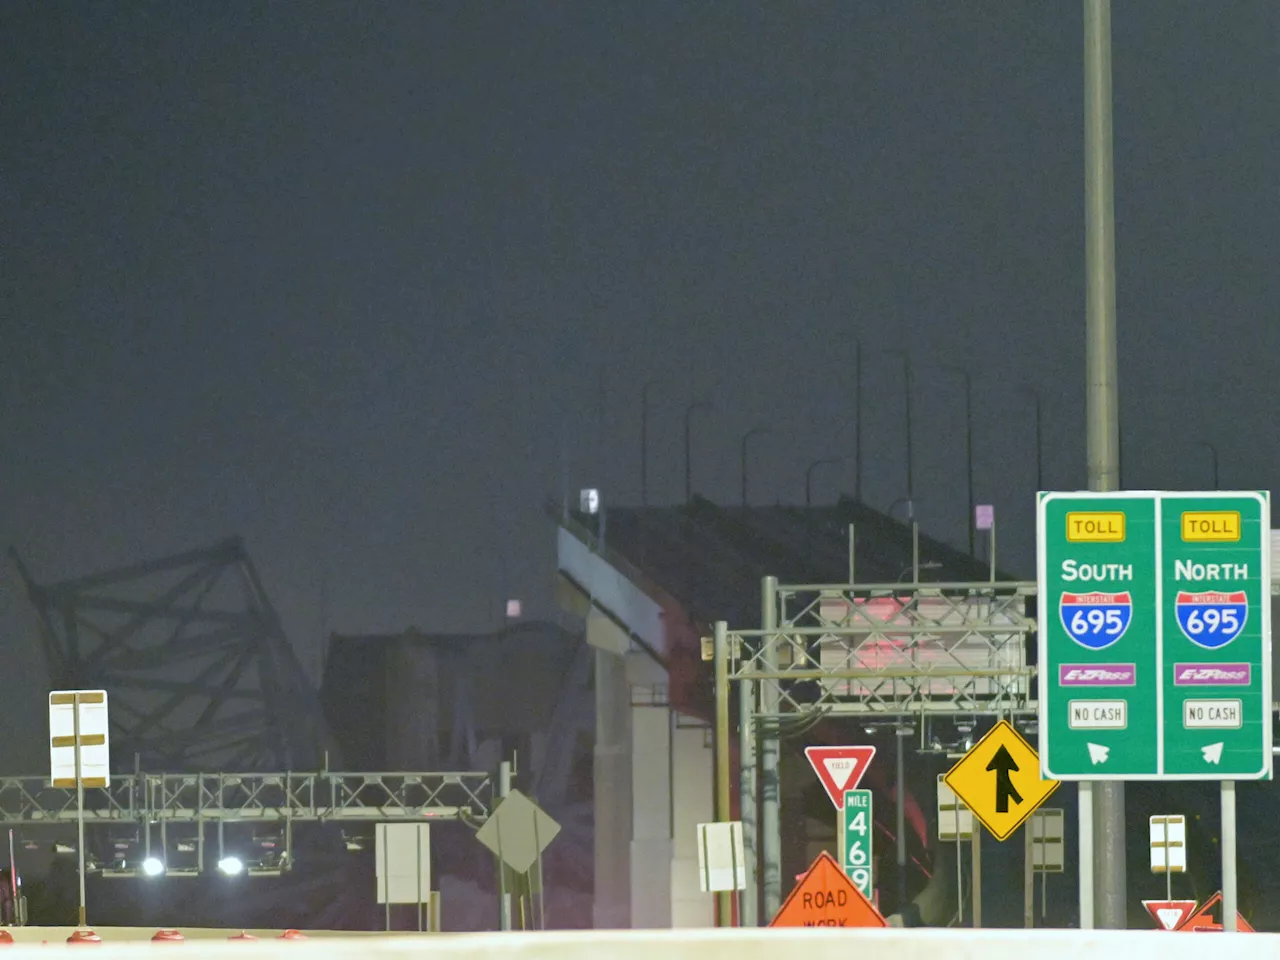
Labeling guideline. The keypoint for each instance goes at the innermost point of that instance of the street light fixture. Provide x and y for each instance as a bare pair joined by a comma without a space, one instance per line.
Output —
644,438
688,446
906,390
968,442
1213,452
808,476
753,432
1035,400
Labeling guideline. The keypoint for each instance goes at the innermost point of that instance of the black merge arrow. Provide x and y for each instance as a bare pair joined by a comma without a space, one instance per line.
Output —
1003,765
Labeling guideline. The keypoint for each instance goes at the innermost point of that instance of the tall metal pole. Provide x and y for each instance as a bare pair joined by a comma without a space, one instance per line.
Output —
1039,445
724,898
753,432
749,903
75,734
1213,452
1035,402
688,446
504,897
857,421
1101,414
906,390
644,440
968,443
900,801
770,833
1229,886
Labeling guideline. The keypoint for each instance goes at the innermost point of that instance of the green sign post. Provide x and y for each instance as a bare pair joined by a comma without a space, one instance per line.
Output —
1155,635
855,840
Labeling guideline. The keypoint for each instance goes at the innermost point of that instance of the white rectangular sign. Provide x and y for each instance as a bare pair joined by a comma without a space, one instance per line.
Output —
1211,714
1098,714
722,860
402,862
1169,844
1048,840
94,733
953,816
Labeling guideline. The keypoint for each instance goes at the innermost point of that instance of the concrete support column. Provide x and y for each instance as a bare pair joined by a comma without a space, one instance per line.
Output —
612,782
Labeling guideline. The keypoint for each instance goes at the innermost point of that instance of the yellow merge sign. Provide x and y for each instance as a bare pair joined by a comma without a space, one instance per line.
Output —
999,780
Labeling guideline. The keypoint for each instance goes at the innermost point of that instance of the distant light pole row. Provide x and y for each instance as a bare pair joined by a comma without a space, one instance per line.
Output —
908,382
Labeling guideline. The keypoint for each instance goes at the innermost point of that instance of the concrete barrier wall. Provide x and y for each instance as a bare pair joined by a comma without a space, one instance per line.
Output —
764,944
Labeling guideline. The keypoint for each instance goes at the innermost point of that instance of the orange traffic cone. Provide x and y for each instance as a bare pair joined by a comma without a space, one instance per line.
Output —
242,936
168,936
292,935
84,936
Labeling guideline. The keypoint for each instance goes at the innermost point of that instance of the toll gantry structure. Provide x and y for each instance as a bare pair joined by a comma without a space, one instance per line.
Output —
930,660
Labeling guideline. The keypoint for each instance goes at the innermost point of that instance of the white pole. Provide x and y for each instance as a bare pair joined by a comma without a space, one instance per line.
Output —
1229,856
75,730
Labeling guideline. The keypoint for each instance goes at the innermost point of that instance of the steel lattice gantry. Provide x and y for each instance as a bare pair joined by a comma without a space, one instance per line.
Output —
890,650
194,657
253,797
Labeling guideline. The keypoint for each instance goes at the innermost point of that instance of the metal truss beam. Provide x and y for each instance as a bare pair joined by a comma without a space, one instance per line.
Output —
892,650
199,669
252,797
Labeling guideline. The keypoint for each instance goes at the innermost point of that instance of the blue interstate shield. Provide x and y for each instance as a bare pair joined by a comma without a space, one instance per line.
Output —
1211,620
1095,620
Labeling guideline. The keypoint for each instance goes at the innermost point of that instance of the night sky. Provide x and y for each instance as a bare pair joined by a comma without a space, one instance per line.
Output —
366,282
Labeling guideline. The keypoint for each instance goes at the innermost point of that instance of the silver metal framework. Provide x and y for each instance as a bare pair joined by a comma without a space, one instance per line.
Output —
891,650
877,652
252,797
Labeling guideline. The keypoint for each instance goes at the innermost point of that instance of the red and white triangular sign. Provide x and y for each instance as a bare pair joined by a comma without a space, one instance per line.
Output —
1170,914
839,768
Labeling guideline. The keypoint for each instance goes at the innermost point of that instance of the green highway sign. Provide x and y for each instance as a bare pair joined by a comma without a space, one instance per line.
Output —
1154,635
855,839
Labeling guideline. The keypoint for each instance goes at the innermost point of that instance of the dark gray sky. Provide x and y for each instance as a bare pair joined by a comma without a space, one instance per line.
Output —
335,276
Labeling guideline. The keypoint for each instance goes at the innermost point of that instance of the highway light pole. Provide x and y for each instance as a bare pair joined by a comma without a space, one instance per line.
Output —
808,476
753,432
968,441
906,393
1213,452
857,420
1035,400
1102,877
689,411
644,439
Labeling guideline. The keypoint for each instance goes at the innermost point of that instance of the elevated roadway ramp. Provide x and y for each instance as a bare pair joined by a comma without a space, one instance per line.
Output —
740,944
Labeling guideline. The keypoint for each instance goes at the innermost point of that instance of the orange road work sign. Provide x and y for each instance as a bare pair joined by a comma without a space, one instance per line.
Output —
825,897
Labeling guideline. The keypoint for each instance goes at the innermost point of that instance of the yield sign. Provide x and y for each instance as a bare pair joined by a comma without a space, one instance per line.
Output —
1170,914
825,897
839,769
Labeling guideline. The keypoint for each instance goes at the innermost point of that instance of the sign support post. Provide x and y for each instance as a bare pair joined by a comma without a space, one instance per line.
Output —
75,713
1229,915
78,722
